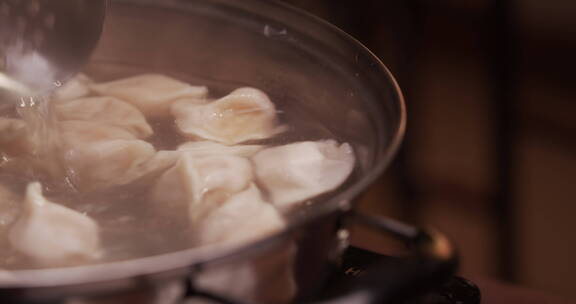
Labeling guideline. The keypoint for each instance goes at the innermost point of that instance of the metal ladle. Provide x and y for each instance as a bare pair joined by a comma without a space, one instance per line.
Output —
45,42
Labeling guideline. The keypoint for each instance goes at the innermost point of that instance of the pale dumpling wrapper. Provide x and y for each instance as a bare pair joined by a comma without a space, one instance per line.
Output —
102,155
75,133
267,277
52,234
106,111
76,87
207,148
23,152
151,168
106,163
27,153
295,172
87,151
196,185
244,114
242,218
152,94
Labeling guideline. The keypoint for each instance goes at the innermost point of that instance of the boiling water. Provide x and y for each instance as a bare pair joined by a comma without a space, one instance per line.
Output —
129,226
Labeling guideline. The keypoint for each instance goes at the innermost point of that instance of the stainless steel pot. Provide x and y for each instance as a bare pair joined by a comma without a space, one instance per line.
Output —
315,70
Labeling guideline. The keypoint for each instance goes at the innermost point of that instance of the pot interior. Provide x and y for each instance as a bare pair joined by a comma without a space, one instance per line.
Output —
321,80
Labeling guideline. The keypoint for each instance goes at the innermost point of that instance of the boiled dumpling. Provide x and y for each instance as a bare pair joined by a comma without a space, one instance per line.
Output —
99,155
266,277
207,148
105,163
52,234
76,87
196,185
299,171
76,132
26,153
21,151
245,114
107,111
242,218
152,94
151,168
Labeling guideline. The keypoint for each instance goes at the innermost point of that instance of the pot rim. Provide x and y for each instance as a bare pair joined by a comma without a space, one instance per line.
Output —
195,257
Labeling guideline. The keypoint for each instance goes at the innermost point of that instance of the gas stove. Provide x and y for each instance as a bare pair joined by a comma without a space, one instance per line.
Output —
356,261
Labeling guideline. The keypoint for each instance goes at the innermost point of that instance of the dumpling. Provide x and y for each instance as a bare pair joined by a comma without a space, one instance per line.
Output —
299,171
76,87
151,168
77,132
216,178
101,164
207,148
99,155
52,234
23,152
267,277
242,218
26,153
41,155
105,110
245,114
153,94
196,185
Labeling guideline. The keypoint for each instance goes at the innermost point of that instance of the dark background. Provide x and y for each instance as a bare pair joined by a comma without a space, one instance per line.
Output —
489,156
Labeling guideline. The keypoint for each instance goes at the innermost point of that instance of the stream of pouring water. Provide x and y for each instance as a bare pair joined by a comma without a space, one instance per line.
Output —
46,142
31,102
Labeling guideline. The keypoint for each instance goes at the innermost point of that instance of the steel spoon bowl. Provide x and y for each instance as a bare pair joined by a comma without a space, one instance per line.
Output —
45,42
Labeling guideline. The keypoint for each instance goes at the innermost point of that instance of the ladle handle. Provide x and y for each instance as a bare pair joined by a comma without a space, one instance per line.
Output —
432,262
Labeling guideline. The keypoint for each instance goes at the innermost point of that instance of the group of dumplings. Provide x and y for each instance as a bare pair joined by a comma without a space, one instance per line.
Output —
229,191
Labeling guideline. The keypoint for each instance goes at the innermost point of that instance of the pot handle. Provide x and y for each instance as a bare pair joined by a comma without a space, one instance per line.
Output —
432,261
